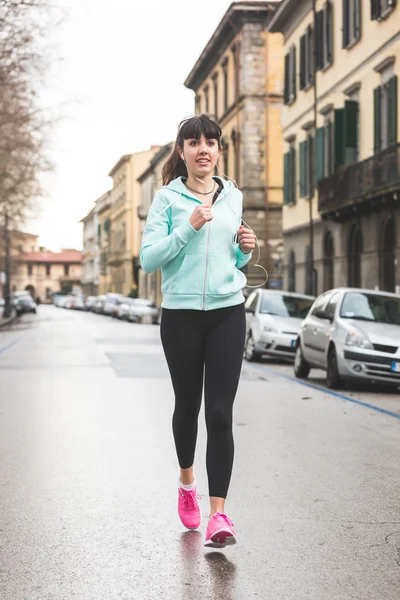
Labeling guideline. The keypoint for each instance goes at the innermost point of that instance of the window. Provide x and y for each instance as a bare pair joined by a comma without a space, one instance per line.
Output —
387,257
198,105
48,270
332,305
354,257
324,149
308,272
351,22
346,133
206,98
307,167
306,59
66,270
48,293
290,176
225,75
324,37
30,269
251,302
290,76
215,85
292,271
385,115
320,303
99,232
329,254
380,9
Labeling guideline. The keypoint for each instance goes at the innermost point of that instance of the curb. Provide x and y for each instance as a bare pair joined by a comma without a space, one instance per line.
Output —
8,321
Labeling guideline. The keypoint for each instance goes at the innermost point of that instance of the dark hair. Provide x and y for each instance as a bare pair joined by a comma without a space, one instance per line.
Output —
189,128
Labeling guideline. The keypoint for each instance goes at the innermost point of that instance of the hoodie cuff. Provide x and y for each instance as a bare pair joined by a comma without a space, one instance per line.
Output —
241,257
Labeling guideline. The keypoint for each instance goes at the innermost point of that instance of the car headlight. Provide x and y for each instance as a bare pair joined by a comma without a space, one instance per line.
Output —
270,328
358,339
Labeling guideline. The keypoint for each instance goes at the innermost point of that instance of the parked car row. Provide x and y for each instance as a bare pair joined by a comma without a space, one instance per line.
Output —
351,333
135,310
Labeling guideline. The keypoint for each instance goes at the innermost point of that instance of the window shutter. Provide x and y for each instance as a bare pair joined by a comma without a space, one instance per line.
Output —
345,30
286,190
329,33
292,177
310,55
339,136
357,19
303,166
375,9
293,71
377,119
350,131
392,113
319,154
287,71
302,62
319,39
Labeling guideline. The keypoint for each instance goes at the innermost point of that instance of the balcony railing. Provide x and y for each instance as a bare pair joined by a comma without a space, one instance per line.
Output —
356,184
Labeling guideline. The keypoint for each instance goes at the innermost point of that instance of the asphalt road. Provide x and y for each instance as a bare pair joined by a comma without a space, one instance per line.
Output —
88,477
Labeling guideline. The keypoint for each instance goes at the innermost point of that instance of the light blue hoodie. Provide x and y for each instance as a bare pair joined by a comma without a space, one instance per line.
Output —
200,269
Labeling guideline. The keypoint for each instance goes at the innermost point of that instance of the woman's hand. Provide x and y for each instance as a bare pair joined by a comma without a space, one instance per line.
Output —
247,239
201,214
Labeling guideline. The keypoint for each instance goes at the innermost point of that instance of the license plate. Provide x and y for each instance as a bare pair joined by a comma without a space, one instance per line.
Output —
293,343
396,367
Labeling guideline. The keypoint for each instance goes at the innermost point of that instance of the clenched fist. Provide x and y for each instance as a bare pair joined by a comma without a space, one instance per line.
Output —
247,239
201,214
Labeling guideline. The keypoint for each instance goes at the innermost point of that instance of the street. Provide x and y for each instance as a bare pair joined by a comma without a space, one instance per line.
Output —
88,476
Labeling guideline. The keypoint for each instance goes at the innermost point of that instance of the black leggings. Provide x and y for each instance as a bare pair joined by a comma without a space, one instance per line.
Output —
211,342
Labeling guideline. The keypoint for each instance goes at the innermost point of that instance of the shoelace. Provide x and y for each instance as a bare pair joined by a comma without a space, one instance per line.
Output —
223,516
188,500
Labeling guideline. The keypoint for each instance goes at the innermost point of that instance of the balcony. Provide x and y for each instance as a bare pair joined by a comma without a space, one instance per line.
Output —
361,187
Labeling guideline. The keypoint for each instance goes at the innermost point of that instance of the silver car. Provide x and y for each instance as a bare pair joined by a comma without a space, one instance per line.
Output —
141,310
273,320
351,334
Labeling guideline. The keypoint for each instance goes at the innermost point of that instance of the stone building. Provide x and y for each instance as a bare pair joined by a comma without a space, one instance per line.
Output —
341,214
91,271
43,273
150,181
238,78
125,239
103,211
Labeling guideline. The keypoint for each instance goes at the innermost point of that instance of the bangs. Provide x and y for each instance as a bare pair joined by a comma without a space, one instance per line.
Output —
195,127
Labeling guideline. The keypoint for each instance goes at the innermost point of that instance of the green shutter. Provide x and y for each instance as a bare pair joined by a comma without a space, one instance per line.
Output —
303,62
375,9
294,67
99,231
350,131
392,112
319,154
303,166
287,75
319,39
329,32
286,171
339,136
345,30
377,119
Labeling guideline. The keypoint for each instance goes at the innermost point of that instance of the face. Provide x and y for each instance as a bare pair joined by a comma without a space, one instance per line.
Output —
201,155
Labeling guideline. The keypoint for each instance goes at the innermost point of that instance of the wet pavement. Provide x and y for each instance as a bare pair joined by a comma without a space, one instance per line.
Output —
88,477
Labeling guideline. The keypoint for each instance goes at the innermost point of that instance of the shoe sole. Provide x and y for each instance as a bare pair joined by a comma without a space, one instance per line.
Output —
221,539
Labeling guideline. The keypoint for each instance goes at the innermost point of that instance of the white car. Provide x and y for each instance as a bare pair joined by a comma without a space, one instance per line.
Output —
141,310
110,303
273,322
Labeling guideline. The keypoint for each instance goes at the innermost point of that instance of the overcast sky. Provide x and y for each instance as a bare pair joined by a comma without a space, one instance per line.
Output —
120,89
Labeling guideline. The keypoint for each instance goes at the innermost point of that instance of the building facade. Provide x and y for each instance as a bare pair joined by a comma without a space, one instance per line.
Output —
150,181
21,243
341,213
45,273
238,78
91,266
103,211
124,221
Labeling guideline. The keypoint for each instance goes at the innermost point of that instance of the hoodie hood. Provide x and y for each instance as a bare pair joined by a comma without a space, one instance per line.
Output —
177,185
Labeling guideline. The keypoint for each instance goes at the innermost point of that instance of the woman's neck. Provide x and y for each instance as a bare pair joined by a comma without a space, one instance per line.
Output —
195,184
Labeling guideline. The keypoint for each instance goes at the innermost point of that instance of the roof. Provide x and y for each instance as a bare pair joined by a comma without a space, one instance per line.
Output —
237,14
283,12
89,216
157,158
66,256
119,164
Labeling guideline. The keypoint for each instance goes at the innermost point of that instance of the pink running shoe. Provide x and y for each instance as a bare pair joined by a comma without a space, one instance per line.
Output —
188,508
220,532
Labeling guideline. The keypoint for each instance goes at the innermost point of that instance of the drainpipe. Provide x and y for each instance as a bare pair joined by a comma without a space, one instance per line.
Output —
311,224
267,104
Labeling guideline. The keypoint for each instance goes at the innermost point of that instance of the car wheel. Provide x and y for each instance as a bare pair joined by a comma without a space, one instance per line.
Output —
301,366
333,379
250,353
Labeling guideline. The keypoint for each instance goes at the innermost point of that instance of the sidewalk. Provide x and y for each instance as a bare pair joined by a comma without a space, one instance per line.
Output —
4,322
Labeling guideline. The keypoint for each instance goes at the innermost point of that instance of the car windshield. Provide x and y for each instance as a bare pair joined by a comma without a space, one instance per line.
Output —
371,307
285,306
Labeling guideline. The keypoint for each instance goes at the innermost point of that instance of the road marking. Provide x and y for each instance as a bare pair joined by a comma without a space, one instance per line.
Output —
330,392
10,345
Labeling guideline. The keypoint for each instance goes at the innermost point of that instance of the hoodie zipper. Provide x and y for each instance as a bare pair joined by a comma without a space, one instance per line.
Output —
207,256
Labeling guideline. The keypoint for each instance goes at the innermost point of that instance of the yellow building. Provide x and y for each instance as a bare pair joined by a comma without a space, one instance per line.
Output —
342,158
124,220
238,78
103,211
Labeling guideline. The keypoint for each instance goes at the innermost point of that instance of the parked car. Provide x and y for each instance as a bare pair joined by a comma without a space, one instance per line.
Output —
90,300
20,294
122,308
352,334
2,303
141,310
25,304
98,304
109,304
273,320
75,302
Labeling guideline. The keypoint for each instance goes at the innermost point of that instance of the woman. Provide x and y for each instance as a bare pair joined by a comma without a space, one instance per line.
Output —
194,234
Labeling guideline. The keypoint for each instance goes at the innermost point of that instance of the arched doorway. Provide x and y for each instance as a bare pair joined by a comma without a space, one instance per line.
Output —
388,256
355,257
292,271
329,254
31,290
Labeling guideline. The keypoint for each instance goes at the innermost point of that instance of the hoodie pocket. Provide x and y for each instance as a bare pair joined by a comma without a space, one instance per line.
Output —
224,278
189,277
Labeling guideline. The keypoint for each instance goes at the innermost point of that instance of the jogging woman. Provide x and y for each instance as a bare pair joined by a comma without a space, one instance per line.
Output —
194,234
